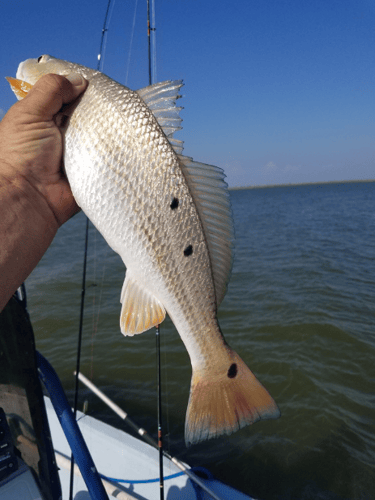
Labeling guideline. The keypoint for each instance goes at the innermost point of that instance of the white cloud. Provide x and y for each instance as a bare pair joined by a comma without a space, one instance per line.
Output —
270,166
292,168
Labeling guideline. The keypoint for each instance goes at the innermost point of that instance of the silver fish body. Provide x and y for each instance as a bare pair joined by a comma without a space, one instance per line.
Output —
169,219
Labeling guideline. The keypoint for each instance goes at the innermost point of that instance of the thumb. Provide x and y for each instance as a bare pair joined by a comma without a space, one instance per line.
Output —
51,92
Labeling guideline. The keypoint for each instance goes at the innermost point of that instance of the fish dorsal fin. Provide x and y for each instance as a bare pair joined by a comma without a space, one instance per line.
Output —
211,196
161,99
140,309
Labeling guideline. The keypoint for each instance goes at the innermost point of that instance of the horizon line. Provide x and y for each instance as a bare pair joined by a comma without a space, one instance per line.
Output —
292,184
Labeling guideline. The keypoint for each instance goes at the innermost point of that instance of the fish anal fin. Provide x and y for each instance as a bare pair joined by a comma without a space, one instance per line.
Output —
19,87
224,401
140,309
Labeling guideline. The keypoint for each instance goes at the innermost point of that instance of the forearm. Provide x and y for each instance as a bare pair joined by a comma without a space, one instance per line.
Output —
27,228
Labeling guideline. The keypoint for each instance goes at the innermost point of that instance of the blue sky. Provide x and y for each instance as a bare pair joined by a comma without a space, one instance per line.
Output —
275,91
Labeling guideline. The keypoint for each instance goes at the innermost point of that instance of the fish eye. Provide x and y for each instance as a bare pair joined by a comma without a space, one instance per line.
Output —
44,58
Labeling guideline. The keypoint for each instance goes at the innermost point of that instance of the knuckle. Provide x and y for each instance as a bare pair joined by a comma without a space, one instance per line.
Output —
55,83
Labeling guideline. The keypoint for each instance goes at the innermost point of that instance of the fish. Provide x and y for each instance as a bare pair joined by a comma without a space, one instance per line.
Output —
170,220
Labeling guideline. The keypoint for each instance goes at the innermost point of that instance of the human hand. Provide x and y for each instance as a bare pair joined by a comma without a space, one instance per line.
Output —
31,145
35,197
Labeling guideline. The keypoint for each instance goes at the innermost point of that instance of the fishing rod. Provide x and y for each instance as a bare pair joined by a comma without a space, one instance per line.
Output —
143,433
151,46
157,333
104,31
83,289
160,425
151,77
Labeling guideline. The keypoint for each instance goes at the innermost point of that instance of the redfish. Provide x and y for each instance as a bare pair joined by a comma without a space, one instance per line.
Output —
169,218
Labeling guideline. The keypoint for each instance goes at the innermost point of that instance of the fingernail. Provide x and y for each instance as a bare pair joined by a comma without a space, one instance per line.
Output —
75,78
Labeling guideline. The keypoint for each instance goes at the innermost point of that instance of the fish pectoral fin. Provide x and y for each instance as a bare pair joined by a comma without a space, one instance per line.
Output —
225,399
140,310
19,87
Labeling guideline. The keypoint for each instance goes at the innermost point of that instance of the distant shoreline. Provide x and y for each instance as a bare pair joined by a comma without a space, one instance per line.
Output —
262,186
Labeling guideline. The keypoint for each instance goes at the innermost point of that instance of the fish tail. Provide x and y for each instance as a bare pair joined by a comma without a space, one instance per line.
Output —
225,400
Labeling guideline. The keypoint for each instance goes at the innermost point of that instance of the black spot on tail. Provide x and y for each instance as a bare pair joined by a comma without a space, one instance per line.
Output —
174,203
232,372
188,251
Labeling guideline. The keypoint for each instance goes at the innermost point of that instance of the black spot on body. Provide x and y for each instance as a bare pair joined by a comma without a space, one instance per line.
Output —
174,203
188,251
232,372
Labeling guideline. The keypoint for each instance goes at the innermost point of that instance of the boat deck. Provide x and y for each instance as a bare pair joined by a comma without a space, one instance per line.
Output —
130,466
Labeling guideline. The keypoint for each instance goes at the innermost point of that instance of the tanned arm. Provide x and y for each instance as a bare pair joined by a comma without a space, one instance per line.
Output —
35,197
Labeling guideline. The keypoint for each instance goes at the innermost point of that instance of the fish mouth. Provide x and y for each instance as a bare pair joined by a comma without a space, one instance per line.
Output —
20,71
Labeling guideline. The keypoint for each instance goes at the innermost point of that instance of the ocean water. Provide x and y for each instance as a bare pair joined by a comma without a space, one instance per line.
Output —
300,310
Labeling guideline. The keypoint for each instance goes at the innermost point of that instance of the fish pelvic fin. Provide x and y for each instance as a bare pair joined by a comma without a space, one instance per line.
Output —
19,87
140,310
226,400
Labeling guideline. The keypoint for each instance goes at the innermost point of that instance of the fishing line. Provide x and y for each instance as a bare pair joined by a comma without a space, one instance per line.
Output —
100,64
152,70
95,320
166,392
131,42
94,326
78,362
83,291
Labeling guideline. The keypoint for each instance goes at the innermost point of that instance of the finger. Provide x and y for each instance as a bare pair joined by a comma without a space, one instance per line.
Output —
64,205
51,92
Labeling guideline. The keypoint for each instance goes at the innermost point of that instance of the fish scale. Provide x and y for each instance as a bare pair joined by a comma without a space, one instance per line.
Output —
169,219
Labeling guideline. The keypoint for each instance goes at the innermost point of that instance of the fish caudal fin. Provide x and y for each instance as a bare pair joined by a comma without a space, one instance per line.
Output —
224,401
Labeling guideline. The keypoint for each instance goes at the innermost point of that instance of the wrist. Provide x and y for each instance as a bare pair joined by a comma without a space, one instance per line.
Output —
28,200
27,228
